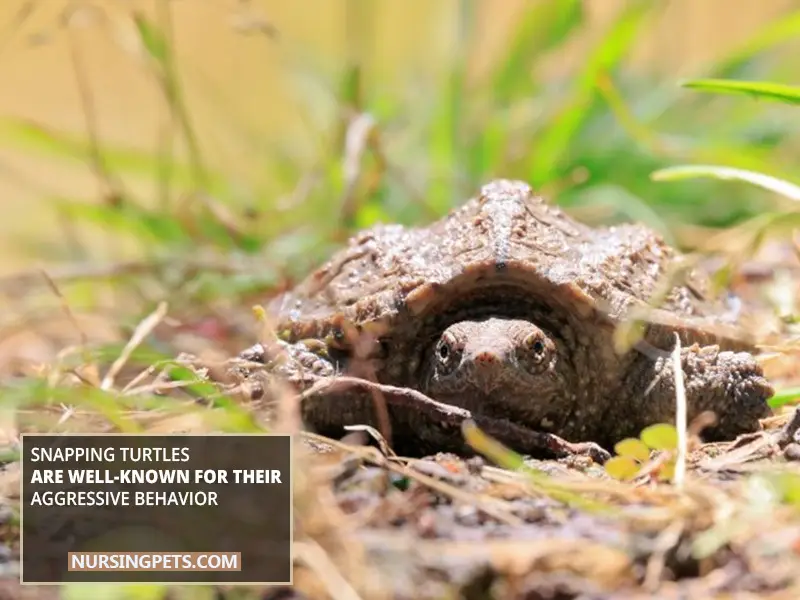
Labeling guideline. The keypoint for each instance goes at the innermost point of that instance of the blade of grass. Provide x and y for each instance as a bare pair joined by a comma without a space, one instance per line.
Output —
555,139
783,29
784,397
542,27
156,40
679,148
139,222
446,147
37,392
765,90
30,136
773,184
506,458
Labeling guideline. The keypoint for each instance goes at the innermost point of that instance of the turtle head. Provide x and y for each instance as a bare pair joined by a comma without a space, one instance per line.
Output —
508,362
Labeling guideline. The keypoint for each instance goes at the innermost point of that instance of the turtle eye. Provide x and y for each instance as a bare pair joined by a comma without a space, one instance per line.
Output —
537,346
443,351
446,349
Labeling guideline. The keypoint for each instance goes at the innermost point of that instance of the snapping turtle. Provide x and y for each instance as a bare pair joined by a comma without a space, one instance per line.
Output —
504,311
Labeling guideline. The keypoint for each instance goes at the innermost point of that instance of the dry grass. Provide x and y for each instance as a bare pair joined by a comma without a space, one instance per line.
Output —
370,524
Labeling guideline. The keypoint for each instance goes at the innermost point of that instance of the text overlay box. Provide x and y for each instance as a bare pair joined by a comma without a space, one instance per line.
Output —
156,508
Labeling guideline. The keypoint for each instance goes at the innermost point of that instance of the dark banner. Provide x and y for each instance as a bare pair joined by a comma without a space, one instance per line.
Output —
156,508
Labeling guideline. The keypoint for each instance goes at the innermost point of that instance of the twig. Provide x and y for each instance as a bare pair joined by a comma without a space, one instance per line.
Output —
373,456
680,415
83,348
665,542
142,331
358,131
113,188
138,379
158,386
65,307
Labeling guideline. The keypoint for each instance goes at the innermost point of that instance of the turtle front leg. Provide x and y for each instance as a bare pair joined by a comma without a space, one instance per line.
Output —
299,362
330,400
729,384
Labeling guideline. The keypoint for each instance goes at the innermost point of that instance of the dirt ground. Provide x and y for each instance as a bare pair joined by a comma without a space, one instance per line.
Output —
369,524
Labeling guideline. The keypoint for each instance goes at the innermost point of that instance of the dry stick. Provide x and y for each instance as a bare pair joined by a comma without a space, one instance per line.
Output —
138,379
765,441
356,137
113,187
365,368
450,414
671,535
157,387
342,381
142,331
74,322
665,542
371,455
493,509
65,307
680,415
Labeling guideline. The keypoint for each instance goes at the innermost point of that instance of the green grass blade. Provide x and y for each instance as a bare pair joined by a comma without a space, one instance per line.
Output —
43,141
788,94
541,28
556,138
773,184
783,29
448,125
156,41
784,397
127,218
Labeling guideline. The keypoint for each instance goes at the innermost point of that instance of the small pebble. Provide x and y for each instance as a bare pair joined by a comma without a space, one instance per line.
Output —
792,451
438,471
468,515
475,464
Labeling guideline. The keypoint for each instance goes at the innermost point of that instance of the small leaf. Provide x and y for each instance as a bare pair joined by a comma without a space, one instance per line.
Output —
790,488
667,471
788,94
633,448
622,467
399,482
661,436
784,397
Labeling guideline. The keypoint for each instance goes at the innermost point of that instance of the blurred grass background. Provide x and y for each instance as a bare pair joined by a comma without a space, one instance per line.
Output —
209,152
222,147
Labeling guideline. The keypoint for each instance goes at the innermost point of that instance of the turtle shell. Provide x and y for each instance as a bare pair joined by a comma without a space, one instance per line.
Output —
505,252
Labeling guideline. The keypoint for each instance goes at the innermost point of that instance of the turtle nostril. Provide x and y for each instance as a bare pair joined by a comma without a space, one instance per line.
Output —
487,358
